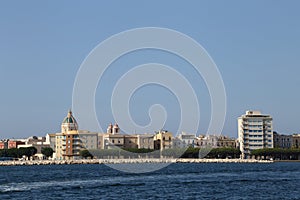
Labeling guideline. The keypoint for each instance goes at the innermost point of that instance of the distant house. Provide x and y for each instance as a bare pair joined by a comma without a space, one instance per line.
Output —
296,140
282,141
163,140
184,140
11,143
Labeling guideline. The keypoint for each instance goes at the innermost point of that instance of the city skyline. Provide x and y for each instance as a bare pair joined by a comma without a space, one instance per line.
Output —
42,48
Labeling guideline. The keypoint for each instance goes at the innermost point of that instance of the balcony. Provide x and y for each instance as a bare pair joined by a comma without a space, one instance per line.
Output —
77,147
76,143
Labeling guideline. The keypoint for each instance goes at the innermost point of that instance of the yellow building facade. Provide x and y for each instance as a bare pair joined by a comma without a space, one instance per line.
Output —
163,140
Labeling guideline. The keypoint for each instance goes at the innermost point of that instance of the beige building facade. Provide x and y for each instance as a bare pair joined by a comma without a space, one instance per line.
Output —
296,140
282,141
163,140
145,141
214,141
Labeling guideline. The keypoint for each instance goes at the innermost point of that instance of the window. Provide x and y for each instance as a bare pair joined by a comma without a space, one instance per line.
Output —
113,141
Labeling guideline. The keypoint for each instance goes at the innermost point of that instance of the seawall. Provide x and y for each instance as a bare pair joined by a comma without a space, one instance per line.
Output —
124,161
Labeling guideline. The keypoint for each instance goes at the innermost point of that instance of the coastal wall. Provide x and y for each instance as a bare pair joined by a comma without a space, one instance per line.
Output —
124,161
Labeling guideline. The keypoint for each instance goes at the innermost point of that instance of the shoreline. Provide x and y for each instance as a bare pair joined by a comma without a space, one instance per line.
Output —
130,161
286,160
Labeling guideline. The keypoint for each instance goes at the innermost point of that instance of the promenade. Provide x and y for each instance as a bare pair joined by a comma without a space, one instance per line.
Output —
124,161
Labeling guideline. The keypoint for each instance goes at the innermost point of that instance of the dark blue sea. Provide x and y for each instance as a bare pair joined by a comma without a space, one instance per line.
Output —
177,181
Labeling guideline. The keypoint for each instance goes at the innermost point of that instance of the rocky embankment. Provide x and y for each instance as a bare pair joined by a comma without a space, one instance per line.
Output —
124,161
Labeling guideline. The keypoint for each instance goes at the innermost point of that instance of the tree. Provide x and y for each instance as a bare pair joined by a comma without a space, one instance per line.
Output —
47,151
224,153
3,153
14,153
85,154
277,153
29,151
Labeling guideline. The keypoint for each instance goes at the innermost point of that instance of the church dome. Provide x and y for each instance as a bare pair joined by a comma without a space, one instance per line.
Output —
69,118
69,123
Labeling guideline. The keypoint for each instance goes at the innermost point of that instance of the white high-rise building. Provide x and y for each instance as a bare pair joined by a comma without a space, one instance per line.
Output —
255,131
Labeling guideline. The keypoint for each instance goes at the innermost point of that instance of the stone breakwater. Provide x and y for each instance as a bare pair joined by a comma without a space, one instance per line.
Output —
124,161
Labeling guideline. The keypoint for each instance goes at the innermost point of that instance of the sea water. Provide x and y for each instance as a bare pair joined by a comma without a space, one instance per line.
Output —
177,181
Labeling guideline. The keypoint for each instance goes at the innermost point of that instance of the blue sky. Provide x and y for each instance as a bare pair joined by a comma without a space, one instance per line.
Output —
255,45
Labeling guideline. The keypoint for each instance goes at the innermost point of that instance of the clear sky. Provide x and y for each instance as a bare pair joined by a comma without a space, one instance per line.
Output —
255,45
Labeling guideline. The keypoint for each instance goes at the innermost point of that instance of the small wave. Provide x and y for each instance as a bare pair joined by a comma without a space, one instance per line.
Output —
125,184
71,184
26,186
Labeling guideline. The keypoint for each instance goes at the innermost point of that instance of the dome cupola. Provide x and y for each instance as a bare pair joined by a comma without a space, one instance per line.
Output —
69,123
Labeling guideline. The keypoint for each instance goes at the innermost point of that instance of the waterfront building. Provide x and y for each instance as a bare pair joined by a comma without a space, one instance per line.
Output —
176,143
11,143
131,141
88,139
101,143
68,143
37,142
4,144
214,141
145,141
163,140
184,140
206,141
255,131
226,142
296,140
282,141
60,143
112,138
50,139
